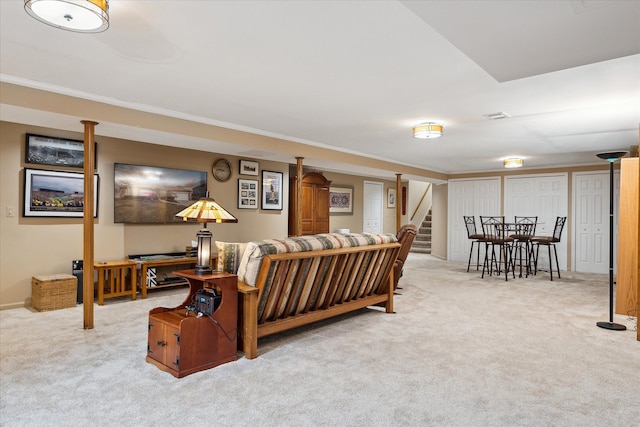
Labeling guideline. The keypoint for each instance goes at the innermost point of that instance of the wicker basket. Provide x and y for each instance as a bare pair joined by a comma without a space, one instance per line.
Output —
53,292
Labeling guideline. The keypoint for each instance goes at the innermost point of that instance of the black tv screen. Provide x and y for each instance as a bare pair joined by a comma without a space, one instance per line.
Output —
153,195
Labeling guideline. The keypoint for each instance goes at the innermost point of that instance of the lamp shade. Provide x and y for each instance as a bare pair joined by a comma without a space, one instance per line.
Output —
612,156
427,131
81,16
513,163
206,210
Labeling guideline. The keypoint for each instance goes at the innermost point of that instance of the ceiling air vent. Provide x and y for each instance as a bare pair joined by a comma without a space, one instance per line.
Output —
496,116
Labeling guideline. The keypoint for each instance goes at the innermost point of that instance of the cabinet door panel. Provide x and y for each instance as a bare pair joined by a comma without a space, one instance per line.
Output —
156,344
321,203
172,354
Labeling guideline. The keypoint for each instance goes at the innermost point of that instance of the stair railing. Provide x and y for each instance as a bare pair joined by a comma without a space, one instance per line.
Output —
425,204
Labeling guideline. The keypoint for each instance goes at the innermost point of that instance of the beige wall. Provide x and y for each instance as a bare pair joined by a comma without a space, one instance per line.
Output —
34,246
439,221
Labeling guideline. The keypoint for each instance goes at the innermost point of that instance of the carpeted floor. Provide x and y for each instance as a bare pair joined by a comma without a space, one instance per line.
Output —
459,351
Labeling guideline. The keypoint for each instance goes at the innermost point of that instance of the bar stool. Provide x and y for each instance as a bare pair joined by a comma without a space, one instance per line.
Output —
550,241
525,229
475,237
495,235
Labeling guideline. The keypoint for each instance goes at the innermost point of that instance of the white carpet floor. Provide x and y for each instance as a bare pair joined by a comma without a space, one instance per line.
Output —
459,351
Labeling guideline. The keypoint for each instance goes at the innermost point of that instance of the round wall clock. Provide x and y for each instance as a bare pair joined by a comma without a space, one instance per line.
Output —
221,170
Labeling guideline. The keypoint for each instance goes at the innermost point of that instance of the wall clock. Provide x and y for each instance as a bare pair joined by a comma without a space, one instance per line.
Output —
221,170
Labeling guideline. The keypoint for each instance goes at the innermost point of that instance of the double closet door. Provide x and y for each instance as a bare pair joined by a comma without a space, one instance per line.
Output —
469,197
544,196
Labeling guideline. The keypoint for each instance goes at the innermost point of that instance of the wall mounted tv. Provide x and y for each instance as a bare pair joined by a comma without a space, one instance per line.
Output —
153,195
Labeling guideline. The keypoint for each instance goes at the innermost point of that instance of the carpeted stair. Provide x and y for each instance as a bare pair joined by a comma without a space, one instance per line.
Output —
422,242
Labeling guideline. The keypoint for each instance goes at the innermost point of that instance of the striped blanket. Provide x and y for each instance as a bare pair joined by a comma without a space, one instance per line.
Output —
255,251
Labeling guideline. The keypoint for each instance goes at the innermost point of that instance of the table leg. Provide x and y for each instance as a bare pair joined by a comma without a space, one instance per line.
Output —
101,274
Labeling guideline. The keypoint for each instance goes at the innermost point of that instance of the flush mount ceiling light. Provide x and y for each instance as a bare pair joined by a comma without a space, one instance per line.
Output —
80,16
427,131
513,162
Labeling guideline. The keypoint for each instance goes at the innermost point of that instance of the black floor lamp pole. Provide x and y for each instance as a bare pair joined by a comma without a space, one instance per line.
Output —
611,157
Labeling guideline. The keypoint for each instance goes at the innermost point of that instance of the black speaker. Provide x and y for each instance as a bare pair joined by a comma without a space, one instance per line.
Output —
76,270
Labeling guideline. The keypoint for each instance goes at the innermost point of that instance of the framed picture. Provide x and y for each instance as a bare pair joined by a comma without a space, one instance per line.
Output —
271,190
247,167
391,197
247,193
341,200
46,150
56,194
154,195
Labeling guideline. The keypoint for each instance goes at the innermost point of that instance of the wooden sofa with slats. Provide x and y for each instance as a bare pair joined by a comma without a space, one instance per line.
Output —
297,288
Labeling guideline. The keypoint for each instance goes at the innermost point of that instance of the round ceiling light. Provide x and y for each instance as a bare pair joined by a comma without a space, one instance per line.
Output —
513,162
81,16
427,130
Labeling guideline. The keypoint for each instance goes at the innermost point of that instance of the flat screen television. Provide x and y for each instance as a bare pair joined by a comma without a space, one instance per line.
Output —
153,195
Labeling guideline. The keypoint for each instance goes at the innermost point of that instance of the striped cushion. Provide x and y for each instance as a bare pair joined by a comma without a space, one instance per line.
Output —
255,251
229,256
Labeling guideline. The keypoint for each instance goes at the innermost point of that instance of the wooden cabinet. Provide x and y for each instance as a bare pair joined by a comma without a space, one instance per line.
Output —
628,223
314,211
181,342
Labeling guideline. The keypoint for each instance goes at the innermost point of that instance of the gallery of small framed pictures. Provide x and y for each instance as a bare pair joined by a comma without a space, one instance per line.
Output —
247,193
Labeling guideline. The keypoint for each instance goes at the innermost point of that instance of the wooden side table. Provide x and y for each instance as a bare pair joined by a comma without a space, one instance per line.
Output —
182,342
114,274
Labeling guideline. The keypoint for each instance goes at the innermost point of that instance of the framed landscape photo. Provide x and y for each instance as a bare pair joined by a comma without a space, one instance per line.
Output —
341,200
56,194
154,195
247,193
271,190
391,197
248,167
47,150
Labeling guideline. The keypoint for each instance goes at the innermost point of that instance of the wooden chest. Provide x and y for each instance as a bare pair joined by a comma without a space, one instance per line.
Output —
53,292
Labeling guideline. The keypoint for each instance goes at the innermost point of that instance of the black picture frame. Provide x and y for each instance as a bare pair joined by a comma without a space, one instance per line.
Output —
153,194
53,151
272,191
249,167
248,193
50,193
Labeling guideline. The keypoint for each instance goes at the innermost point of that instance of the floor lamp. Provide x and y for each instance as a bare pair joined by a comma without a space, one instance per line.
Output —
611,158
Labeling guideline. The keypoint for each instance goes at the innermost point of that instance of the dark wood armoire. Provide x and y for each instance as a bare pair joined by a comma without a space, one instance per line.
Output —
314,212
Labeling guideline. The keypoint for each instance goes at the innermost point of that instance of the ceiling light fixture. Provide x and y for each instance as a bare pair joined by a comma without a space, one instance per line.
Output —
427,130
513,162
80,16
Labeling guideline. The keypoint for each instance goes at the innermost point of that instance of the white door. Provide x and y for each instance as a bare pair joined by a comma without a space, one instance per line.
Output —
461,197
591,221
372,207
519,197
469,197
544,196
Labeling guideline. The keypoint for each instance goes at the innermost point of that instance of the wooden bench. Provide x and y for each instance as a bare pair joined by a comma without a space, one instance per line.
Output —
299,288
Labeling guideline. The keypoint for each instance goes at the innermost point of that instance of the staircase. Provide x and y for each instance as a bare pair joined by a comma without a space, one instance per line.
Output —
422,242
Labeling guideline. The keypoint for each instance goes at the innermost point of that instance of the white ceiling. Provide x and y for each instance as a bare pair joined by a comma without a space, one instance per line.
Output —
353,75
